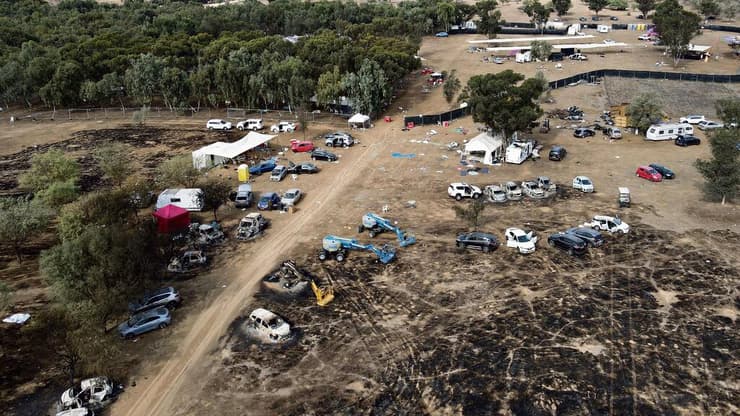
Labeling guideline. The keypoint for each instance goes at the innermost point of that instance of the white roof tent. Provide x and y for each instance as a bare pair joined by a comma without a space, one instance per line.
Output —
484,148
219,153
359,120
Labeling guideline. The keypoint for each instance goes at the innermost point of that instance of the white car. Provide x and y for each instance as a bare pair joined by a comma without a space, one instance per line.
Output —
523,241
692,119
495,193
93,391
278,173
291,197
513,191
270,325
217,124
583,183
283,126
253,124
607,223
532,190
460,190
709,125
609,42
578,57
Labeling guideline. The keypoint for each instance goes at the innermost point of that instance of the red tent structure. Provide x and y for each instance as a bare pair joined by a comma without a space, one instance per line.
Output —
171,218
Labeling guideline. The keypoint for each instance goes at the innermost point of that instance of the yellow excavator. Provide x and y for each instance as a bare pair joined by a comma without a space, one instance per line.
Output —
324,294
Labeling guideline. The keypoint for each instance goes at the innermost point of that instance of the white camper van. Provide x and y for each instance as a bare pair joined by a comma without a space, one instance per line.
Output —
187,198
519,151
668,131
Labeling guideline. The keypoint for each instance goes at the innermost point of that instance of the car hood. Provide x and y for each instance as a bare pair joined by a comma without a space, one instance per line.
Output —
68,396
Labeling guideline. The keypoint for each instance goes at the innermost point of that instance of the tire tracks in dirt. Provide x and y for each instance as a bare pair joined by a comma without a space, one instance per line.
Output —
189,367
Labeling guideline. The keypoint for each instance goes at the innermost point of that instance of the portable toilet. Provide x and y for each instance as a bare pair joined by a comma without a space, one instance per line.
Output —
243,173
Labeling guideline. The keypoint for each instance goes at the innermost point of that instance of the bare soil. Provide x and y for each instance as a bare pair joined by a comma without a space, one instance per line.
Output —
645,325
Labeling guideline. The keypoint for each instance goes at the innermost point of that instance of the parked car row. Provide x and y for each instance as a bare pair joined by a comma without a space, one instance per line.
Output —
253,124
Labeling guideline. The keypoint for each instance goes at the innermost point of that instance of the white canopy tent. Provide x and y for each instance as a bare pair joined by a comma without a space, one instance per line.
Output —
484,148
220,152
359,120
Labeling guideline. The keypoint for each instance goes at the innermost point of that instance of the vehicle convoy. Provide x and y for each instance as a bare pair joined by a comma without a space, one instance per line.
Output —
460,190
484,242
520,240
376,224
251,226
337,247
607,223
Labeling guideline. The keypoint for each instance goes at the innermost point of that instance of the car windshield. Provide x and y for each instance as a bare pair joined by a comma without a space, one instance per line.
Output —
586,181
289,195
522,238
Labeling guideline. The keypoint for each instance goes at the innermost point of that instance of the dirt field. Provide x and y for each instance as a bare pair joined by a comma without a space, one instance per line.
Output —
645,325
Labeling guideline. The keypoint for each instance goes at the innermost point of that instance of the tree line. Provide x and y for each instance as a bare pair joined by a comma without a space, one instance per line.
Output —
182,54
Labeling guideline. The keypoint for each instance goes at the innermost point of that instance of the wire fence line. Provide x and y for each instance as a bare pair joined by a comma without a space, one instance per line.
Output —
622,73
135,114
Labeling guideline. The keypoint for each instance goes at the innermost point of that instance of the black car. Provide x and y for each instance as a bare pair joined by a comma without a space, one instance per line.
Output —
583,132
664,171
321,154
575,246
557,153
687,140
482,241
589,235
303,168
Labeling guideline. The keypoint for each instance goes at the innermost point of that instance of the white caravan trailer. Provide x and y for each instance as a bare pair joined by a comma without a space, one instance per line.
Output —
188,198
668,131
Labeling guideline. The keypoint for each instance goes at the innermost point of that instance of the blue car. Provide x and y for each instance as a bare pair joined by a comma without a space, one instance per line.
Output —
145,322
441,34
262,167
269,201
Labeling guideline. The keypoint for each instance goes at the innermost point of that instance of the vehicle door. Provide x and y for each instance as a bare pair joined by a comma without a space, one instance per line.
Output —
511,239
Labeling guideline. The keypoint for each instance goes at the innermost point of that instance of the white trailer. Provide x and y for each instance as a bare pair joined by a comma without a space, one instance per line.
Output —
668,131
190,199
519,151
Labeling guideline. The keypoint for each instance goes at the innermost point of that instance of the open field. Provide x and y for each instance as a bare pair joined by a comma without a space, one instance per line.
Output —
645,325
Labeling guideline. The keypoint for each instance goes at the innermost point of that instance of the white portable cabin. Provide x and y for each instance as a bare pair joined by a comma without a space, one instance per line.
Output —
186,198
522,57
519,151
484,148
668,131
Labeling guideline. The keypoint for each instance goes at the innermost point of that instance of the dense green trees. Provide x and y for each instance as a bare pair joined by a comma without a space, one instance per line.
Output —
179,53
643,111
722,171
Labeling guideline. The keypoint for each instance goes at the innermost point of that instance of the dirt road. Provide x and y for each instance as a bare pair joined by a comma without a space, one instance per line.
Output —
184,370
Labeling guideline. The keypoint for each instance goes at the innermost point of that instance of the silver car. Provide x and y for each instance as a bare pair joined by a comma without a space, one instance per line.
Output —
167,296
291,197
278,173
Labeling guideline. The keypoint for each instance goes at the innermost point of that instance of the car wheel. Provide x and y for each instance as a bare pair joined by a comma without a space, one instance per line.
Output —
550,243
458,197
240,128
329,144
163,325
340,257
476,196
322,256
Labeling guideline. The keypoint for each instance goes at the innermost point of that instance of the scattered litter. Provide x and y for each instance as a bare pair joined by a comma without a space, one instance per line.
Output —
411,204
403,155
431,132
17,318
386,208
444,157
439,171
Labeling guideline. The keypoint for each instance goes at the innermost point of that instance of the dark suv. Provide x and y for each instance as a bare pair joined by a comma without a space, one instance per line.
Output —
321,154
568,242
589,235
557,153
687,140
583,132
482,241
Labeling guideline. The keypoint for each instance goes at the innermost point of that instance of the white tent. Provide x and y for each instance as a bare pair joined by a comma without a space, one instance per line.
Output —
359,120
220,152
484,148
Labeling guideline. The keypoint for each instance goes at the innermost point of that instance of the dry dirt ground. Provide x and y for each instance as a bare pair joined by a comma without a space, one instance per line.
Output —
645,325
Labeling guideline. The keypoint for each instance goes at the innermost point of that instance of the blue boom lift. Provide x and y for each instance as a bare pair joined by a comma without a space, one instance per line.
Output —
337,247
376,224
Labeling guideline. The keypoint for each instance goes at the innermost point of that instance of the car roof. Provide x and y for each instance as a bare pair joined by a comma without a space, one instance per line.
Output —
268,194
480,234
292,190
152,312
263,314
582,230
162,291
566,236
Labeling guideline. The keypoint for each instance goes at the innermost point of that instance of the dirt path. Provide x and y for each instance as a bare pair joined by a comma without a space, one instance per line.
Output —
183,372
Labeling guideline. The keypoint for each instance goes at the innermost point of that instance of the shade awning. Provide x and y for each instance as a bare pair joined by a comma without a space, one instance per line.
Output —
359,118
232,150
171,218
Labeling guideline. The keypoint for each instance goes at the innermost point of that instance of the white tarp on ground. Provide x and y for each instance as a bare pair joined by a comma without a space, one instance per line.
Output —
17,318
220,152
484,148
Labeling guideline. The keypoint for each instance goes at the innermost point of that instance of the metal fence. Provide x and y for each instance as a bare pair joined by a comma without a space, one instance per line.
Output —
421,120
676,76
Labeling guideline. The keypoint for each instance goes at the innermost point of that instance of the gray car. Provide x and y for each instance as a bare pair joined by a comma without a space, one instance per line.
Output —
589,235
144,322
166,296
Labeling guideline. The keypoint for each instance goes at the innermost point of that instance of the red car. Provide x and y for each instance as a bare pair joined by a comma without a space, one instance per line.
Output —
300,146
646,172
426,71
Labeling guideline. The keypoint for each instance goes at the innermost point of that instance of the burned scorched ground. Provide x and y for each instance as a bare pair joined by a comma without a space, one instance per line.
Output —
645,325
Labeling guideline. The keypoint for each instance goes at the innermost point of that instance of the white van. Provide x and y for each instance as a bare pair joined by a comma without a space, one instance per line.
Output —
668,131
253,124
187,198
